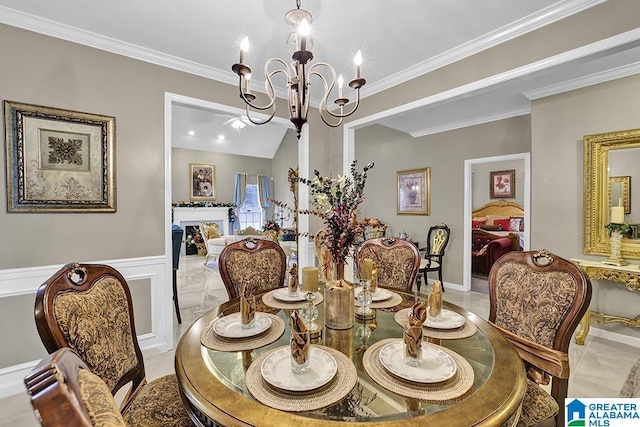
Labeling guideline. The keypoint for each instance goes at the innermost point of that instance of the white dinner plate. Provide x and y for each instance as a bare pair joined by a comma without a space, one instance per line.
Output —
282,294
230,326
448,320
380,295
276,370
437,366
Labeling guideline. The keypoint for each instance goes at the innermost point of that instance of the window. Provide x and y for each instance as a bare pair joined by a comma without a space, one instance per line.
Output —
250,213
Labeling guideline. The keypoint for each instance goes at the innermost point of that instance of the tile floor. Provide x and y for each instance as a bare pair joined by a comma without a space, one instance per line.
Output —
598,369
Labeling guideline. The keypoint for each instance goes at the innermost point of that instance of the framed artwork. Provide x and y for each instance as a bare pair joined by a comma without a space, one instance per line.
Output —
620,192
503,184
203,181
414,191
59,160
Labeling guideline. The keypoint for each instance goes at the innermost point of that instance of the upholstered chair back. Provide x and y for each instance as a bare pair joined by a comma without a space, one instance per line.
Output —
397,261
64,392
537,300
260,261
88,307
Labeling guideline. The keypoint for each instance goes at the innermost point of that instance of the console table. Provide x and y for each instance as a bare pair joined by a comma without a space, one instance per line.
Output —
629,275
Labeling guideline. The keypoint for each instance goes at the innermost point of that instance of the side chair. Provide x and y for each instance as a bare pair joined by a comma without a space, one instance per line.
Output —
537,300
397,261
261,260
64,392
88,307
437,241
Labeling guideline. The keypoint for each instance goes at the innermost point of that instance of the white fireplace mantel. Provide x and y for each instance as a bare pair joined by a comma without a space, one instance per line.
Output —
184,216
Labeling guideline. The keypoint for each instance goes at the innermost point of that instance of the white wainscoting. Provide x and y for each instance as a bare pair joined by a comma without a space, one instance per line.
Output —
25,281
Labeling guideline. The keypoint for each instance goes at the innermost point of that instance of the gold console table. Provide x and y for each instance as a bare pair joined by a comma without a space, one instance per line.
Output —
629,275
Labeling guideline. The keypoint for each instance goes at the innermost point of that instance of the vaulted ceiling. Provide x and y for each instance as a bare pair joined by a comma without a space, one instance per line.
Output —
400,40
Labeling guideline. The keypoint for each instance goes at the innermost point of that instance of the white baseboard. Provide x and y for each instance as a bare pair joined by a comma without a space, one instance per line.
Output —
24,281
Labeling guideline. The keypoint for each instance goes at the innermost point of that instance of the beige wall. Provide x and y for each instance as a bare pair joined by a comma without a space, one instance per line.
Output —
558,125
445,154
482,178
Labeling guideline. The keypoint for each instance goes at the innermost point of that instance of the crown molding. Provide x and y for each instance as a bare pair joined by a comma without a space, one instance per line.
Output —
549,15
529,23
579,83
473,122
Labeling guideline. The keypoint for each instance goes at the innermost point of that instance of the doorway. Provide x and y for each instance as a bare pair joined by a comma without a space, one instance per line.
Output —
468,205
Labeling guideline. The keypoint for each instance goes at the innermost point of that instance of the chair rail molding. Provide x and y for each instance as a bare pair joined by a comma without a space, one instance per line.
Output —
25,281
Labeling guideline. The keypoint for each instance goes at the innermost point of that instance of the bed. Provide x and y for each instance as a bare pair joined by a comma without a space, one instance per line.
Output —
497,228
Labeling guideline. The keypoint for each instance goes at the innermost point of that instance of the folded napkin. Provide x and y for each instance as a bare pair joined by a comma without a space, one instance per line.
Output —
435,299
247,304
413,330
293,279
300,340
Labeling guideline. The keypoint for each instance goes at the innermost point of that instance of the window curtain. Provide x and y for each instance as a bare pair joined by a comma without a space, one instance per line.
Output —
263,194
239,193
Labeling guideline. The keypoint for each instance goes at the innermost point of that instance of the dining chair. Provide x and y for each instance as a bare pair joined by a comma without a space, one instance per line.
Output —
397,261
64,392
259,260
437,241
176,244
536,301
88,307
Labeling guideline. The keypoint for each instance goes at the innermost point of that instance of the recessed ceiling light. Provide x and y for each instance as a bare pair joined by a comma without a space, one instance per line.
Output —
221,137
191,133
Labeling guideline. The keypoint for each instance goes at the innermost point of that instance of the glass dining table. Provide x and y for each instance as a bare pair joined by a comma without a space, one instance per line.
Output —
213,387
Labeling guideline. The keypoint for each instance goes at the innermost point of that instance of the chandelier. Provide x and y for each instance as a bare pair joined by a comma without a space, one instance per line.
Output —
298,74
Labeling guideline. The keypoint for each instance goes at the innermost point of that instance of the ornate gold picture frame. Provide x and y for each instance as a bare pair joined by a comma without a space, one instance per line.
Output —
59,160
203,181
414,191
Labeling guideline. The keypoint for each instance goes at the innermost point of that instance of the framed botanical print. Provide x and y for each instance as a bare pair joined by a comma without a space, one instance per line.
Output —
203,181
59,160
502,184
414,191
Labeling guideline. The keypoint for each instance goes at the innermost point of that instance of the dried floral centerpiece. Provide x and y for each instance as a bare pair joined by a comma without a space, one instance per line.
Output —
336,201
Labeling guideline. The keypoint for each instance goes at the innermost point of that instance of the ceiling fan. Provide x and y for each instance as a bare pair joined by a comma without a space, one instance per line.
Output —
238,122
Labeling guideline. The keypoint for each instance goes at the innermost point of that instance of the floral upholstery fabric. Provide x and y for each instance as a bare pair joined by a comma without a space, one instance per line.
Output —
262,268
532,304
537,406
97,399
158,404
394,265
97,326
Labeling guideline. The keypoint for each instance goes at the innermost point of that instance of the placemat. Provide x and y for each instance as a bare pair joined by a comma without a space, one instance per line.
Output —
468,329
272,301
210,339
334,391
388,303
449,391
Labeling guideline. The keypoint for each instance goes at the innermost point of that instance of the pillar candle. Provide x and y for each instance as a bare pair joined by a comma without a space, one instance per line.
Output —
309,279
617,214
367,268
374,280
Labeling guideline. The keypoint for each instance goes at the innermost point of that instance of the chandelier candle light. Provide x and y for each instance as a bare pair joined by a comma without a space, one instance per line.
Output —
298,75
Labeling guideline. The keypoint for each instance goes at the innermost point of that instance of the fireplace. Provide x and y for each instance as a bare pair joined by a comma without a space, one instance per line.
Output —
189,219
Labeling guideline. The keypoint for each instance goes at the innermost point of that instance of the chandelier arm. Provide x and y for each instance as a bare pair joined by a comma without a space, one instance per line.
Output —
256,121
268,85
323,104
328,89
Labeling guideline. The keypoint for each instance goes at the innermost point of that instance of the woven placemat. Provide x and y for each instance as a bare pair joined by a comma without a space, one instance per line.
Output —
334,391
210,339
468,329
273,302
388,303
450,391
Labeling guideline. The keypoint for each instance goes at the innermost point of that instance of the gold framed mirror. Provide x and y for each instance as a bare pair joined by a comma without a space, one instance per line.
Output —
611,164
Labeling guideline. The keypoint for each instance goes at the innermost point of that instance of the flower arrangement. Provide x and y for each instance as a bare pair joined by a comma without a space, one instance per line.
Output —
336,201
621,228
271,225
195,239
